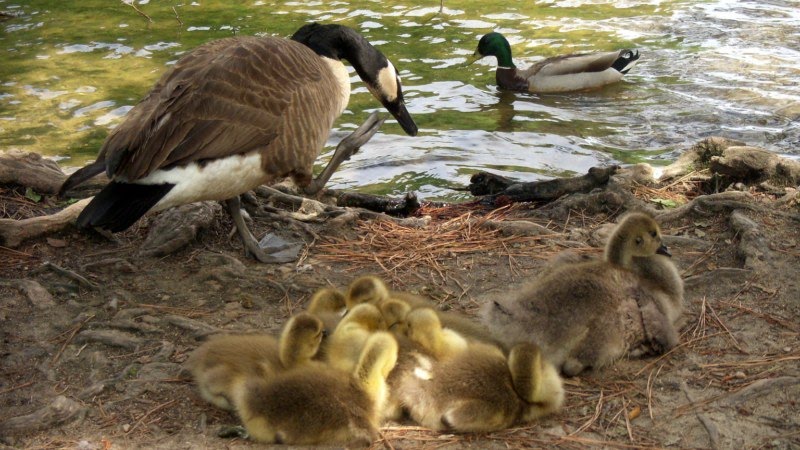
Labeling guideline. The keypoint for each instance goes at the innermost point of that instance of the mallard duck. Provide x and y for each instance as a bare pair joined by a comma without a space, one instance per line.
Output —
231,115
574,72
222,362
589,314
316,404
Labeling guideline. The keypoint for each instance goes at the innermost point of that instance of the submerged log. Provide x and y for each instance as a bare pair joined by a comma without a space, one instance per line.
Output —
377,203
502,190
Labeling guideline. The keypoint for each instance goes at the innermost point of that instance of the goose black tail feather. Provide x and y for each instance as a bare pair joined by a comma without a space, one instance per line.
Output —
81,175
120,205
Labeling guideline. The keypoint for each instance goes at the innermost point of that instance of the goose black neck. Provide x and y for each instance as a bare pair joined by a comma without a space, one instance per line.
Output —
340,42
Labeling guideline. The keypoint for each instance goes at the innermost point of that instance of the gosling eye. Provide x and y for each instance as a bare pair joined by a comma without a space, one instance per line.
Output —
639,240
653,233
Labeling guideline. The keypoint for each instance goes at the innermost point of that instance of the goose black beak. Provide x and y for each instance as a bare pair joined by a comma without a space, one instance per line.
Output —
399,111
663,250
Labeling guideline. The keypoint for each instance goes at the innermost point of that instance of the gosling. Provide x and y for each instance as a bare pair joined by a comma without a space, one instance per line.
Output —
371,289
222,362
589,314
315,404
480,390
348,340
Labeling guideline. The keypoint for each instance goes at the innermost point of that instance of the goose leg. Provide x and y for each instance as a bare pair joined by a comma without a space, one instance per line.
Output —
250,243
346,148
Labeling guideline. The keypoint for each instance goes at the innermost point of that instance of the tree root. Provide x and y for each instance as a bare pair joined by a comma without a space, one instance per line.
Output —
13,232
61,411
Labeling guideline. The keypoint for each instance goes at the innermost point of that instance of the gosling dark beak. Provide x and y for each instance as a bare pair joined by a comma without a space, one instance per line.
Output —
663,250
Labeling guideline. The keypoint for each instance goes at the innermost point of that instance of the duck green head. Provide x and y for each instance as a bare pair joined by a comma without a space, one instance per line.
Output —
493,44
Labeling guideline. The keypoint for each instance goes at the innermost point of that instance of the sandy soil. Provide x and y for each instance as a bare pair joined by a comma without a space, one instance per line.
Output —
106,351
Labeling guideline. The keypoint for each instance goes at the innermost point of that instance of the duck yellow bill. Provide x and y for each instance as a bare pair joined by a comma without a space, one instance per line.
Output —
475,56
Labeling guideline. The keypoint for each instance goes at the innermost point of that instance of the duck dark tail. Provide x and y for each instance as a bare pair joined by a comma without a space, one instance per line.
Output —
119,205
81,175
626,60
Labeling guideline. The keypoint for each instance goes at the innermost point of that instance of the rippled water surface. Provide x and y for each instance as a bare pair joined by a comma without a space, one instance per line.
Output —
72,70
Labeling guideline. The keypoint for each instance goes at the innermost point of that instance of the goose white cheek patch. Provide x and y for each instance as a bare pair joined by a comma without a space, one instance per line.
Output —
387,82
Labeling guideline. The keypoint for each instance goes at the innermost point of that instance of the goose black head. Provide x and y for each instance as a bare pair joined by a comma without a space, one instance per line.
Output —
340,42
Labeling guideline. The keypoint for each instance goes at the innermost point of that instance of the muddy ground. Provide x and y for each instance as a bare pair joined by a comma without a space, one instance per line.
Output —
90,357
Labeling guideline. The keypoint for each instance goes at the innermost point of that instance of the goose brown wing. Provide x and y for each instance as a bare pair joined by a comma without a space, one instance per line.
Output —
224,98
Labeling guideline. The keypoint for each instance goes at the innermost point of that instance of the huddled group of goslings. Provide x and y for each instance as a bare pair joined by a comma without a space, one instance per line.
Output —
352,360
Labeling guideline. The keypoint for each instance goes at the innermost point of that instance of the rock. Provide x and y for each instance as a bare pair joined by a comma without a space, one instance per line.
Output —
37,294
177,227
641,173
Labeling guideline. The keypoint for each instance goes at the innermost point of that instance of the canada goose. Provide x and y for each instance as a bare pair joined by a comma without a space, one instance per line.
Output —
350,336
219,363
372,289
316,404
589,314
564,73
231,115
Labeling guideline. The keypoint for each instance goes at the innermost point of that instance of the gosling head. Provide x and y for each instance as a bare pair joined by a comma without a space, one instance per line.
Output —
327,301
394,312
300,339
366,289
637,234
366,316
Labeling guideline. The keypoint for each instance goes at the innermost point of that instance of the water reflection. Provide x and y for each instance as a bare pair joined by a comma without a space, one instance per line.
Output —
708,67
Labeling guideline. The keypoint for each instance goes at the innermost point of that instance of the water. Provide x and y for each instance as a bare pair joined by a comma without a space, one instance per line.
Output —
71,70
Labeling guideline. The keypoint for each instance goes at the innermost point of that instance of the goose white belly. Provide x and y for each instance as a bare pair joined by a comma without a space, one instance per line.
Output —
573,82
219,179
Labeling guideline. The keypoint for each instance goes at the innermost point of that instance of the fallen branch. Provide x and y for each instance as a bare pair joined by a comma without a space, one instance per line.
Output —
500,190
13,232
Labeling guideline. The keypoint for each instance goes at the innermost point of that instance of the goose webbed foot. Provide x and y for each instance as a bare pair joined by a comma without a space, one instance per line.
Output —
279,254
346,148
